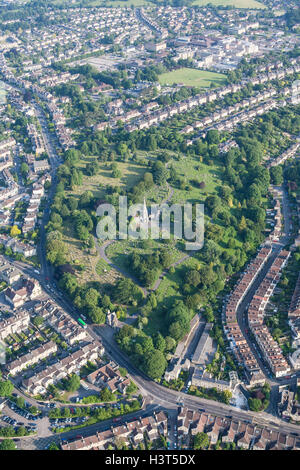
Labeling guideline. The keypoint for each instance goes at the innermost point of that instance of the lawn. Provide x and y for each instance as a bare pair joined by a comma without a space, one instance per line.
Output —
131,174
235,3
120,3
192,77
192,170
102,267
108,3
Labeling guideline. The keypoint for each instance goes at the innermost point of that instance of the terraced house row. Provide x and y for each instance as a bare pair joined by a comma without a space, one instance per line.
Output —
225,430
14,323
62,323
237,341
271,351
130,433
290,152
294,323
223,113
38,383
34,356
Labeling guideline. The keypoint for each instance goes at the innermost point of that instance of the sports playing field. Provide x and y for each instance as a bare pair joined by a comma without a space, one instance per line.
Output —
235,3
192,77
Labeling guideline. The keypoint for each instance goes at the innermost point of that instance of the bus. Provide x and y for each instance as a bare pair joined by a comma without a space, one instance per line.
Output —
82,323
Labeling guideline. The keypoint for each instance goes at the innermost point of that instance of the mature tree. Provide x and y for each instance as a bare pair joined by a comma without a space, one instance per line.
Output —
126,292
276,175
24,169
15,231
193,278
159,342
53,446
255,404
7,444
175,330
106,395
96,314
38,320
154,364
213,137
6,388
201,441
73,383
159,173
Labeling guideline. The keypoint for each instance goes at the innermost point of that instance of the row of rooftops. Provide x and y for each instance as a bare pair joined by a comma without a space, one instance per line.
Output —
243,117
15,322
290,152
132,431
271,351
32,210
217,115
65,140
17,246
244,434
36,139
275,234
269,347
294,309
237,341
31,357
244,283
39,382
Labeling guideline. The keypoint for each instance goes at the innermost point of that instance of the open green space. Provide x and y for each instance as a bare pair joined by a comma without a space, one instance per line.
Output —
195,172
102,267
236,3
192,77
131,174
108,3
119,251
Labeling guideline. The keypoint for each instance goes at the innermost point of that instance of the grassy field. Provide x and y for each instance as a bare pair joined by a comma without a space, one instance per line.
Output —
102,267
191,169
109,3
120,3
236,3
137,3
131,174
192,77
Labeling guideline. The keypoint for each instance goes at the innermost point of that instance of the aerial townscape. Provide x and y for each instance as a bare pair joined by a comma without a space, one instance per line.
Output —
138,341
